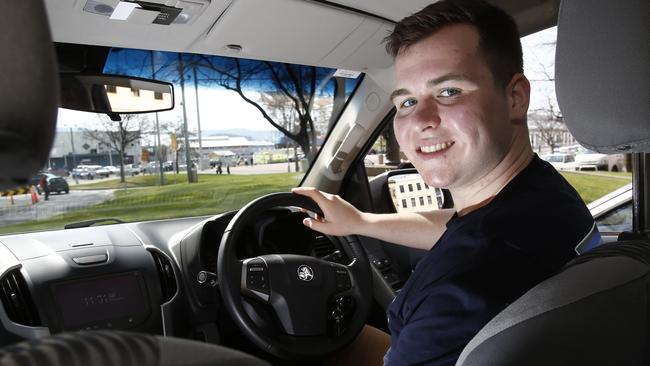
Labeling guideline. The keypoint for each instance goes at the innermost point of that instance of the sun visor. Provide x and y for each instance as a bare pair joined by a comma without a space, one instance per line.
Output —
29,92
602,70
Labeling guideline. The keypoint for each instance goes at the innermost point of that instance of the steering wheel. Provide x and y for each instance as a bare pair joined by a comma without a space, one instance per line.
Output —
318,306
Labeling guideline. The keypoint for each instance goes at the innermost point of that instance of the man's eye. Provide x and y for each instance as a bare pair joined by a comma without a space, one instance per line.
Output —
447,93
408,103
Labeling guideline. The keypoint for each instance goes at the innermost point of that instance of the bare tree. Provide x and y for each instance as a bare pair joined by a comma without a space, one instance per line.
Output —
281,109
290,89
299,85
119,135
549,125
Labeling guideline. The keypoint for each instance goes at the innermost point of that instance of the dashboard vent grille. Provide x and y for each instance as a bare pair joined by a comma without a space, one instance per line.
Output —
166,275
323,246
17,300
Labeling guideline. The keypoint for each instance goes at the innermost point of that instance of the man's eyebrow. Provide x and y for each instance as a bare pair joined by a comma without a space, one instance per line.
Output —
398,92
447,77
431,83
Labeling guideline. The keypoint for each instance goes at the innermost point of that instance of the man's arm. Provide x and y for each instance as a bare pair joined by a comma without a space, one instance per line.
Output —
419,230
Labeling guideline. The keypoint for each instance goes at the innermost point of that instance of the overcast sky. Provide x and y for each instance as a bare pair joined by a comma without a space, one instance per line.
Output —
226,110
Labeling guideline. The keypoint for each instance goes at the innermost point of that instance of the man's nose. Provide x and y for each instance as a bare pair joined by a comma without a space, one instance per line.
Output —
427,114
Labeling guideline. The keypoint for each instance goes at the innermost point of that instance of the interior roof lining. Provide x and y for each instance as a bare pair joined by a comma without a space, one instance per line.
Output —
348,8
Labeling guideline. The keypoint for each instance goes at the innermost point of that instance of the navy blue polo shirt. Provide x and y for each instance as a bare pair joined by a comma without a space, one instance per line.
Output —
485,260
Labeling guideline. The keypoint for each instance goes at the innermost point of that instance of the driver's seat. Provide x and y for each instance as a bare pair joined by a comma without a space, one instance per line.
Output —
596,311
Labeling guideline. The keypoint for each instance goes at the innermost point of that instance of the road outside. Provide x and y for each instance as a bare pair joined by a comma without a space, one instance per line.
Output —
23,210
256,169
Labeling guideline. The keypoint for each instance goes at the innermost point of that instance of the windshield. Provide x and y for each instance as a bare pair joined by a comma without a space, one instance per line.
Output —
240,129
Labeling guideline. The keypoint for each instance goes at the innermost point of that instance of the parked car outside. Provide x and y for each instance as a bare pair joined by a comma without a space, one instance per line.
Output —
132,169
113,169
588,159
55,183
87,173
103,172
613,211
560,161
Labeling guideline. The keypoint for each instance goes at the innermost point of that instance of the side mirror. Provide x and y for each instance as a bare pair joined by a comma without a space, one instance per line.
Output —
114,94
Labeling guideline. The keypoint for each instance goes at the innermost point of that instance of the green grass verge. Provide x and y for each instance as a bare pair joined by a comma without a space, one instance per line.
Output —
622,175
135,182
593,186
220,193
212,195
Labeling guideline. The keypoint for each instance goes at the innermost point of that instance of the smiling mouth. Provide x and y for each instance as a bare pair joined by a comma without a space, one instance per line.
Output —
429,149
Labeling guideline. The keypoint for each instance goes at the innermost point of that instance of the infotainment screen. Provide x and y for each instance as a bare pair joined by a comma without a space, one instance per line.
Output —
116,301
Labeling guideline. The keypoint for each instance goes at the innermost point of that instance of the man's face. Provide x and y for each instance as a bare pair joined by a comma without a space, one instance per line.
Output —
452,120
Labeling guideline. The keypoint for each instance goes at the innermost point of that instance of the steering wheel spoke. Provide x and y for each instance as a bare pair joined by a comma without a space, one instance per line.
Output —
255,279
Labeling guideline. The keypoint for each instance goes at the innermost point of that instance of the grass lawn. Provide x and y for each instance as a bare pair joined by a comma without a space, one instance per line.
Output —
138,181
145,200
593,186
212,195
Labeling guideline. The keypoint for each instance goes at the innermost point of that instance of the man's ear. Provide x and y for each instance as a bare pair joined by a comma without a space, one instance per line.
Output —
518,94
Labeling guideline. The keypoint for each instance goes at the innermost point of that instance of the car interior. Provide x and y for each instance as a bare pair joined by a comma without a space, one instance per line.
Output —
206,290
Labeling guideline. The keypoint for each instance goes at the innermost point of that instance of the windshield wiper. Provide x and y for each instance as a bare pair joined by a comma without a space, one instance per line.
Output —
88,223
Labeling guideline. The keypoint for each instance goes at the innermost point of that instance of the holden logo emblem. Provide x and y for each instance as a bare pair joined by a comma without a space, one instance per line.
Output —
305,273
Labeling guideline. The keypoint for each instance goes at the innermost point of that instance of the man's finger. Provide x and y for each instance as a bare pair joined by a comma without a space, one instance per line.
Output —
310,192
314,224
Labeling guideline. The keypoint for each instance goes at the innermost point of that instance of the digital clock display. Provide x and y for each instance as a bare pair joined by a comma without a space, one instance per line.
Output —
98,301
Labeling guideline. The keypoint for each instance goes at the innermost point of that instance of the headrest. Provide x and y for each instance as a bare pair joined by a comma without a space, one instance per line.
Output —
28,93
602,71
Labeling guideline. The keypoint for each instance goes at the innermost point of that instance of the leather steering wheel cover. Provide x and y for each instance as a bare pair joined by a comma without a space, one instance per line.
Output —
229,274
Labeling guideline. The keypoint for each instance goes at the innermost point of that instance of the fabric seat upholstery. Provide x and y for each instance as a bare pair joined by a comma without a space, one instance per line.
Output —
109,348
594,312
29,92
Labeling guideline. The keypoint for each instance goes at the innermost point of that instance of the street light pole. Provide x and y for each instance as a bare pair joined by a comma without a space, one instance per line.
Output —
74,157
198,118
188,161
159,146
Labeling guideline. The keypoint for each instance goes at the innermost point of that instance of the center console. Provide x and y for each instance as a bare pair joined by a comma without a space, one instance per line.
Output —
95,279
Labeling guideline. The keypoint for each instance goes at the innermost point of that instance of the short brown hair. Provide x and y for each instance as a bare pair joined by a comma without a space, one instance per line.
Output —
498,34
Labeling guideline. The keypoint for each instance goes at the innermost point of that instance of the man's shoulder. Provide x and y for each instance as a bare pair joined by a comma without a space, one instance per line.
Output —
539,193
543,216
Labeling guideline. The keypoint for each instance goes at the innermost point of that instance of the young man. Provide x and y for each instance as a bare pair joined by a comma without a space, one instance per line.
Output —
461,100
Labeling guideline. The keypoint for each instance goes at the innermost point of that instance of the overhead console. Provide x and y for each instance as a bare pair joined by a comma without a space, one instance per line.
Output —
89,278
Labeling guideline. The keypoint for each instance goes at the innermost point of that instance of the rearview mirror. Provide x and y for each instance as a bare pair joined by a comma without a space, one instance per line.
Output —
115,94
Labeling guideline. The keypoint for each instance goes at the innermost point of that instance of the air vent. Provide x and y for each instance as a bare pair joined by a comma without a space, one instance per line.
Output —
166,275
323,246
17,300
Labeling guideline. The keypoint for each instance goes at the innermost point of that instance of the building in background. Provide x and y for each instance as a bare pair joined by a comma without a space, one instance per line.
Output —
73,147
237,145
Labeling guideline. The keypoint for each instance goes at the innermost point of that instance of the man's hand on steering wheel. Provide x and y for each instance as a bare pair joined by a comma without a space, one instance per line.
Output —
340,217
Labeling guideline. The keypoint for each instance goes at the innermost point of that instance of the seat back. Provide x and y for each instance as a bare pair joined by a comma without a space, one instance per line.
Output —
28,92
594,312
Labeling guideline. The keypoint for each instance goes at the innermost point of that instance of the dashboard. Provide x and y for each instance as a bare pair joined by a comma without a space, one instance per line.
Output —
157,277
